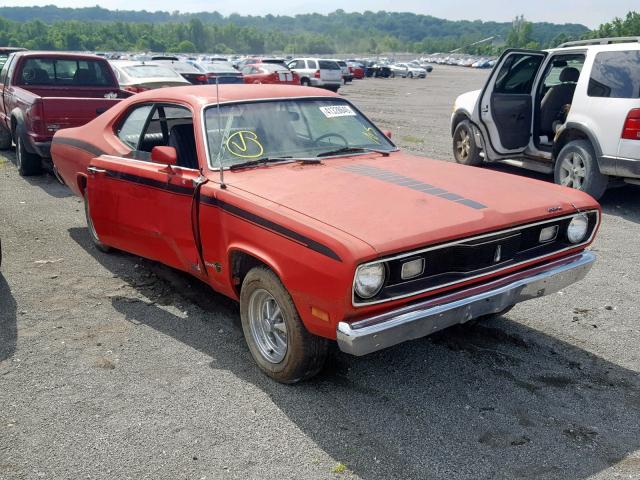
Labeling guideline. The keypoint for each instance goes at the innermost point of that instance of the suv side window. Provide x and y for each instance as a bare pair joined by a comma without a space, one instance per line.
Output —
299,64
517,74
312,64
615,75
130,130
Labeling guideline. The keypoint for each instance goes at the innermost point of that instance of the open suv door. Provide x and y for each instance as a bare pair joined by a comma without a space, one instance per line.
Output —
505,107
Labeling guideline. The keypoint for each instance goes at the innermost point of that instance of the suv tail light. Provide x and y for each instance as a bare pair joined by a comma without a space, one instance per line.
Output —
631,129
201,78
317,74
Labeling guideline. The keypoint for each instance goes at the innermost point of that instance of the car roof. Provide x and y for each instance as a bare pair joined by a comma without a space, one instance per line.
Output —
206,94
598,48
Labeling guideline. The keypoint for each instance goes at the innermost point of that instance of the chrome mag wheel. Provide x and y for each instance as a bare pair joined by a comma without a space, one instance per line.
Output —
268,328
463,144
572,171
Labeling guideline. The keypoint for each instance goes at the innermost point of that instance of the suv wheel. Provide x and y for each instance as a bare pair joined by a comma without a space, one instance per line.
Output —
278,341
576,167
305,82
465,149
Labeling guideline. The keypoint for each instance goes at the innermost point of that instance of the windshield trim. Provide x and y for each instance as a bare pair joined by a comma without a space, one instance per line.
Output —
203,126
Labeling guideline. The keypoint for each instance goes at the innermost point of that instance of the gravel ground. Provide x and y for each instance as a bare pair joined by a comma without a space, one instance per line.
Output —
115,367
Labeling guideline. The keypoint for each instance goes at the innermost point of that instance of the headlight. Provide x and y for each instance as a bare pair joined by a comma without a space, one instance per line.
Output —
369,280
577,229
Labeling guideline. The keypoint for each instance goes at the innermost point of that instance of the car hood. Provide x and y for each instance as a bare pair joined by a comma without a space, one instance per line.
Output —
402,202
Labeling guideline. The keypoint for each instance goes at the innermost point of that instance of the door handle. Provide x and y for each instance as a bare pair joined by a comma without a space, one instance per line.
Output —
95,170
485,109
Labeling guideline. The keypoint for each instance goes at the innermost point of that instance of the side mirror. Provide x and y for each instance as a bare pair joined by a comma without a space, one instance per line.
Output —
387,133
164,155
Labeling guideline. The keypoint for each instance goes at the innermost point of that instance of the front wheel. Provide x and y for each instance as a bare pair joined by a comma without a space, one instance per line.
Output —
28,163
278,341
465,150
576,167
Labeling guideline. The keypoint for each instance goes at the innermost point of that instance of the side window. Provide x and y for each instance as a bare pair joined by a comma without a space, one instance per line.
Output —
563,69
177,127
5,70
312,64
299,64
615,75
130,130
517,73
246,70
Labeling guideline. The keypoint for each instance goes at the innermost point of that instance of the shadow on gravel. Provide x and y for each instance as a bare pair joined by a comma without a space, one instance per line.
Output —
494,400
46,181
8,320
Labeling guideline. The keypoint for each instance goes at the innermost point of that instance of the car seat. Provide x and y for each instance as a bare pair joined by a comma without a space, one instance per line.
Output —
181,137
556,98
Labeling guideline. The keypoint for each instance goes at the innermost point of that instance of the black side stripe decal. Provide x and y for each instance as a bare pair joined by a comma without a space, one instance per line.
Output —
231,209
73,142
269,225
412,183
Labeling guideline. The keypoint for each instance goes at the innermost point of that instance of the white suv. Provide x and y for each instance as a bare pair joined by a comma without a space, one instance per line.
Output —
573,111
317,72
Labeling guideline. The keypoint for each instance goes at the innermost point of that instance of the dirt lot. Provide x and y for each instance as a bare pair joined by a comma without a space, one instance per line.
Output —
115,367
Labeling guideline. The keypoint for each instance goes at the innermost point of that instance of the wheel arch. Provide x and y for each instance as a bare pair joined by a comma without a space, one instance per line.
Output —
242,259
576,131
459,116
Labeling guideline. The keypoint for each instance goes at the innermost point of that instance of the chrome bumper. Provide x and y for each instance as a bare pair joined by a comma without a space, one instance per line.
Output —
434,314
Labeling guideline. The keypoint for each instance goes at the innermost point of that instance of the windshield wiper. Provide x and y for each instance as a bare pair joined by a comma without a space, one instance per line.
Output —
338,151
266,160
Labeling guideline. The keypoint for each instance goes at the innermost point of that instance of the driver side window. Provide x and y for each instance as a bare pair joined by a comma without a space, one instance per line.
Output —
131,129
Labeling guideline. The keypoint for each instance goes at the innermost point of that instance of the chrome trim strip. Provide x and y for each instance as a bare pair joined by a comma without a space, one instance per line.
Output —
427,317
463,240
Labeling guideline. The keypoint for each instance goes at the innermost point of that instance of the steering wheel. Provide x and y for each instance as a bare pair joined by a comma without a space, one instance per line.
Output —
331,134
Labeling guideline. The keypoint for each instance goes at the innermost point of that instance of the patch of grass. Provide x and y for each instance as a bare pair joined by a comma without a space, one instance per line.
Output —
339,468
411,139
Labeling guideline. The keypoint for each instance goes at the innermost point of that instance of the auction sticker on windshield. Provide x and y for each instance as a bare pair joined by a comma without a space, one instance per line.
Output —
338,111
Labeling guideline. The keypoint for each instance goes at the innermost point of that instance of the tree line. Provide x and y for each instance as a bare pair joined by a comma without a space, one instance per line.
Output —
95,29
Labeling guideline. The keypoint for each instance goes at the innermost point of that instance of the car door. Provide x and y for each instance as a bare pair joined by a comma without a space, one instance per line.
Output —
505,106
140,206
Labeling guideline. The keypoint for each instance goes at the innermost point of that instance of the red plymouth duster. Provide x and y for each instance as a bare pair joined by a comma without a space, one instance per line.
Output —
289,200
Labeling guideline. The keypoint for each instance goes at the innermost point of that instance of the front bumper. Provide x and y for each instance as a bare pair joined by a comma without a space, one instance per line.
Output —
434,314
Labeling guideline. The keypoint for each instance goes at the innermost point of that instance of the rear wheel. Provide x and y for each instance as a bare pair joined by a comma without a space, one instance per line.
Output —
305,82
465,149
28,163
278,341
576,167
92,229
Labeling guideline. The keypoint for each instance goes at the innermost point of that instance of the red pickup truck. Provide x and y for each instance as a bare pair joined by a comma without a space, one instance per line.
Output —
42,92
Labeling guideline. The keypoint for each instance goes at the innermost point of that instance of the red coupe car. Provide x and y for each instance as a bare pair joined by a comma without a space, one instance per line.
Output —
289,200
269,73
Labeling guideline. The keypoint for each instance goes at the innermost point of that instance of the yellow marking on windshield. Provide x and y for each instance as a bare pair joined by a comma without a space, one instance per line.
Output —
244,144
371,134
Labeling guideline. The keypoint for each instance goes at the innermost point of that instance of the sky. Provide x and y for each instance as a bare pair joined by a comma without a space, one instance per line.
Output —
587,12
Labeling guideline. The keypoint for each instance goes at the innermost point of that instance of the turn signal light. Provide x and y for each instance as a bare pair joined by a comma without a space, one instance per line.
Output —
631,129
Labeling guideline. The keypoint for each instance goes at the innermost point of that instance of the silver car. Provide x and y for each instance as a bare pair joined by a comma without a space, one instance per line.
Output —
137,77
317,72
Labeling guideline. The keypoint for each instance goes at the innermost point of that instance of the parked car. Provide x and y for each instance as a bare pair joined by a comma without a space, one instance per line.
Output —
258,60
398,70
573,111
309,265
317,72
347,75
42,92
136,77
413,71
188,71
219,72
269,73
356,69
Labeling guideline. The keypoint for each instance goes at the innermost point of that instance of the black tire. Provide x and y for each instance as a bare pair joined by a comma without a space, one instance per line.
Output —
579,156
305,82
465,150
305,353
92,231
392,75
5,138
28,164
410,75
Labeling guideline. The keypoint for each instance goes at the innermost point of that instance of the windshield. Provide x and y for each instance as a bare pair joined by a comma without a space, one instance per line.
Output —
302,128
150,71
